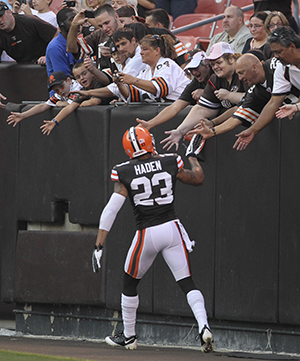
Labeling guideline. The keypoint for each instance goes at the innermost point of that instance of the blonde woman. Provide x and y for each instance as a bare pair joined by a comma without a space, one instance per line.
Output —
275,20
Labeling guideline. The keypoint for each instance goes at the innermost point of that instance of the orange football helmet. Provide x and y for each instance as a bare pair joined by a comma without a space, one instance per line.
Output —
138,141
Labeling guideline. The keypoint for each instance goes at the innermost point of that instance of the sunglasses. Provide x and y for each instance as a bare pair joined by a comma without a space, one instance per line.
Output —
3,7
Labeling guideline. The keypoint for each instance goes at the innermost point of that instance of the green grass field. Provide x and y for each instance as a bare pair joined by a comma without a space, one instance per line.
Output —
21,356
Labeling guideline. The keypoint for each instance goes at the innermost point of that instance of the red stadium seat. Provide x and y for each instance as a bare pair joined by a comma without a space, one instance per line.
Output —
171,21
211,6
188,41
218,27
247,17
187,19
241,3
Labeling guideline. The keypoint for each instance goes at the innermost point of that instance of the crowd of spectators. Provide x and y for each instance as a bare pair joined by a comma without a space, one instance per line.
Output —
108,51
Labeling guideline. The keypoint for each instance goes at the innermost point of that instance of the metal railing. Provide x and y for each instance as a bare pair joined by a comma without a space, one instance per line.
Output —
214,19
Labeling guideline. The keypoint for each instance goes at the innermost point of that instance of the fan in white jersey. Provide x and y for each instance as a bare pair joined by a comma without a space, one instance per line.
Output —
162,78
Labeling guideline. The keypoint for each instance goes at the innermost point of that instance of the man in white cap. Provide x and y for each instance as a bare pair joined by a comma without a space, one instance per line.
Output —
222,91
200,71
234,32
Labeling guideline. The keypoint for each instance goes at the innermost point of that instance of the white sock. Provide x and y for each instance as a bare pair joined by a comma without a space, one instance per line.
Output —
129,306
196,301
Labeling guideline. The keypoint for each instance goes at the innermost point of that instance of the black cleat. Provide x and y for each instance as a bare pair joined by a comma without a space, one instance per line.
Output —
129,343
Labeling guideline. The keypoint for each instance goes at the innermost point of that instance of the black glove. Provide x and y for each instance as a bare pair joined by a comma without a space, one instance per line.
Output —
196,145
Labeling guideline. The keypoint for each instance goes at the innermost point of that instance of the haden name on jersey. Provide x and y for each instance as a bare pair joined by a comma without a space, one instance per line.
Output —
147,167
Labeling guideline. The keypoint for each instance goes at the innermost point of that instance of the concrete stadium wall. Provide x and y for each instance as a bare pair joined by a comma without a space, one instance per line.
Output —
244,219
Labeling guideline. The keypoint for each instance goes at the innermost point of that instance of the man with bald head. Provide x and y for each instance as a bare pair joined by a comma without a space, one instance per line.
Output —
234,32
259,77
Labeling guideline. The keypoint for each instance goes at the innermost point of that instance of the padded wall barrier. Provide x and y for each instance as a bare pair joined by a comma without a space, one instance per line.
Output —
21,82
244,218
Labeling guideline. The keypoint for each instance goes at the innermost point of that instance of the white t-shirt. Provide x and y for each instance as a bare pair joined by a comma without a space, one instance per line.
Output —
49,17
281,84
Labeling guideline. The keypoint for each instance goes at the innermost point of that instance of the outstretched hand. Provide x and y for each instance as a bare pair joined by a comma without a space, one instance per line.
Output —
244,139
14,118
143,123
2,97
47,127
173,139
288,110
200,128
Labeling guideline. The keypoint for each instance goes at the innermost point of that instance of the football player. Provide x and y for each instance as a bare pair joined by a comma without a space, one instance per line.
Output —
148,179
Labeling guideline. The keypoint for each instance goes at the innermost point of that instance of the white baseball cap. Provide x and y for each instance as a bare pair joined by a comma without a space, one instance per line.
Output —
196,60
219,49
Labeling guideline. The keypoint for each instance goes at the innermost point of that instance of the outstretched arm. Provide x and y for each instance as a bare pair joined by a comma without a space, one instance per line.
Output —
166,114
266,116
197,113
207,132
288,110
98,92
50,124
15,117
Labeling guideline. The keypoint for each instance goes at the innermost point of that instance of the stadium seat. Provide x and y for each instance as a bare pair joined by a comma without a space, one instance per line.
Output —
241,3
218,27
211,6
247,17
187,19
189,42
171,22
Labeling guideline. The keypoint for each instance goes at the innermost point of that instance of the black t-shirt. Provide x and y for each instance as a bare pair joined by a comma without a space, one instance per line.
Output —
151,187
142,10
257,96
208,98
186,95
284,6
28,41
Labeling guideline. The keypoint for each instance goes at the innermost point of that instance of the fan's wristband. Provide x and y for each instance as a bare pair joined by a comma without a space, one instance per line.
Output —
55,121
100,247
214,131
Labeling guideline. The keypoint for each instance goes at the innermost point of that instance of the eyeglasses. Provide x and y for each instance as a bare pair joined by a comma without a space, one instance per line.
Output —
155,37
215,63
255,26
276,35
271,26
3,7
